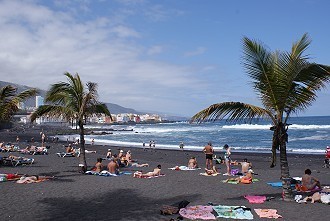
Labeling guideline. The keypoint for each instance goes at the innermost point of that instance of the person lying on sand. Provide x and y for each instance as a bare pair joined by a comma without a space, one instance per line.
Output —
33,179
242,179
155,172
212,171
137,165
192,163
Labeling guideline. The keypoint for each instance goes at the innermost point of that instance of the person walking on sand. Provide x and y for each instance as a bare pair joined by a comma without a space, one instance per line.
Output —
227,159
208,151
43,139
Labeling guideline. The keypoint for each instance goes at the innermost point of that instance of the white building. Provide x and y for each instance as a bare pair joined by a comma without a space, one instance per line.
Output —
39,101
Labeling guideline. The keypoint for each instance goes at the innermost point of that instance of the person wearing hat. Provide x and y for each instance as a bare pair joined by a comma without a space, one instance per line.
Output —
227,159
109,154
121,154
208,151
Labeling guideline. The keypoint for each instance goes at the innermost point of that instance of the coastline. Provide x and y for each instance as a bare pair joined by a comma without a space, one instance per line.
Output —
73,196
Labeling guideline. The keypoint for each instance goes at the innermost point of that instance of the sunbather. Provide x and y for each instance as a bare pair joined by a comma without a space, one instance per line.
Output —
308,181
113,167
98,166
242,179
137,165
212,171
109,154
32,179
246,166
192,163
69,149
155,172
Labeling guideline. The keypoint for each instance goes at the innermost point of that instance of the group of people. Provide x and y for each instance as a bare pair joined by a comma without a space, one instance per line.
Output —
209,152
116,162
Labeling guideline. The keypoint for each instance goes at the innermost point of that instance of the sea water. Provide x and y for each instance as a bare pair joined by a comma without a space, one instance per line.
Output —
306,135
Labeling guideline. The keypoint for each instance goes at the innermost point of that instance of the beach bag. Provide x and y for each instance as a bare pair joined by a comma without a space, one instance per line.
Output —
169,210
234,172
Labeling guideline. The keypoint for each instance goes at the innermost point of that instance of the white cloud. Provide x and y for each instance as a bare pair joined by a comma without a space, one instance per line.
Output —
38,45
156,49
197,51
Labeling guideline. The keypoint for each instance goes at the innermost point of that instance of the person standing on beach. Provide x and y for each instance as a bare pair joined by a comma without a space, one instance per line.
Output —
227,159
43,139
181,145
93,142
208,151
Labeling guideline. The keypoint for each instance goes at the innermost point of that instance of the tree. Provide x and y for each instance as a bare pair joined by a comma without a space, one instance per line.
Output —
72,100
286,83
10,100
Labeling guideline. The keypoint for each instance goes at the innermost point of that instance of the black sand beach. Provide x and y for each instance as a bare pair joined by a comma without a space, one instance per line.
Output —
74,196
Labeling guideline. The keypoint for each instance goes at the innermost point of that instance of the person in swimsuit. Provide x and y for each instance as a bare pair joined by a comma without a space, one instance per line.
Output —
309,181
208,151
227,159
192,163
98,166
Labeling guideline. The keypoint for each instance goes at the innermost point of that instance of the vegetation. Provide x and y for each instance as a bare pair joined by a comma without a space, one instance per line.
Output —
10,100
72,100
286,83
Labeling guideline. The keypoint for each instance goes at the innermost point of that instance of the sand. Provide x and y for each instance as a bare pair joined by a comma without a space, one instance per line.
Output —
74,196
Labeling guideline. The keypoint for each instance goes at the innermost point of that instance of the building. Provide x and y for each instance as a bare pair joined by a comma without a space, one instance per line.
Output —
39,101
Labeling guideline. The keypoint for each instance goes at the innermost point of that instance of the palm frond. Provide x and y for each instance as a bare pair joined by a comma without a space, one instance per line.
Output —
234,111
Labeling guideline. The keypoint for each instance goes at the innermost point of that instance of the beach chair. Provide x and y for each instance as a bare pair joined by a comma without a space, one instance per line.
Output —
16,162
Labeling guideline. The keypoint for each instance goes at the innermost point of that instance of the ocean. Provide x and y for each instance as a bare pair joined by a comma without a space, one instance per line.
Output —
309,135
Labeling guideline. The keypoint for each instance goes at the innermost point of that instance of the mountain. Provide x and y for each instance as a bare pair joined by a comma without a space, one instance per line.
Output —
114,108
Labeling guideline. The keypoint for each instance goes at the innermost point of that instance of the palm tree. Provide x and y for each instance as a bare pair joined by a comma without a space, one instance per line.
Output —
286,83
10,100
73,101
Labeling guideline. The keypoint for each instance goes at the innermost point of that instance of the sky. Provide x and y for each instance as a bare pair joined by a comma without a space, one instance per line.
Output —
170,56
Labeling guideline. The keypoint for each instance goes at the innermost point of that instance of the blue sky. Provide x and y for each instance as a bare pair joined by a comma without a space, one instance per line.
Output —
173,56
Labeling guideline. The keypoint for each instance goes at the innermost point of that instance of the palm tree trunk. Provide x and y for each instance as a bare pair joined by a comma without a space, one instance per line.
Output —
285,174
82,159
274,148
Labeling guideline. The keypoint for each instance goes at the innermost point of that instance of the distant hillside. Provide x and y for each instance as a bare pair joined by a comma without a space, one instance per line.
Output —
114,108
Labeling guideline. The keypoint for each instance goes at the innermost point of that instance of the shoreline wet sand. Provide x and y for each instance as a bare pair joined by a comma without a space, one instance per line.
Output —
74,196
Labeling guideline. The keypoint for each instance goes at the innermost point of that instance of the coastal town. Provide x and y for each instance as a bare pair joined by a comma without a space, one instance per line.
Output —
120,118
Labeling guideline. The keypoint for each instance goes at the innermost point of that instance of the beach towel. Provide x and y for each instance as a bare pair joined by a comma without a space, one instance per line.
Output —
183,168
9,177
234,212
267,213
237,182
255,199
205,174
278,184
197,212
